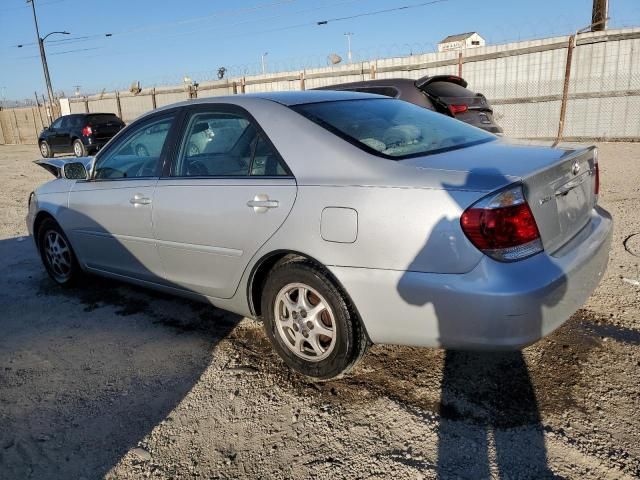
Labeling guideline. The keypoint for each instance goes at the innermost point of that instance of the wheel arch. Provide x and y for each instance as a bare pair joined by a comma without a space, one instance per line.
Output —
41,216
262,268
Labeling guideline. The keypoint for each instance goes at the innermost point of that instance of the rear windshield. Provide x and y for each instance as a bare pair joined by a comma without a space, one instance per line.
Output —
393,128
447,89
103,119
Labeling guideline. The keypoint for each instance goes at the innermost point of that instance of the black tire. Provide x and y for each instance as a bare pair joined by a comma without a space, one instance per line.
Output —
45,150
79,150
350,339
62,266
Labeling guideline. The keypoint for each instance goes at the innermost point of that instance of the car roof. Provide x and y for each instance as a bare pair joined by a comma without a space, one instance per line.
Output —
387,82
310,96
287,99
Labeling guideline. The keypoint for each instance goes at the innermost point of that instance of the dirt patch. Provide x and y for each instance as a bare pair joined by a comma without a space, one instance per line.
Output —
114,381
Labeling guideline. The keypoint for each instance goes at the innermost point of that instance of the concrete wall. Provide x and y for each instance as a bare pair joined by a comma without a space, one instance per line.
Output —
523,80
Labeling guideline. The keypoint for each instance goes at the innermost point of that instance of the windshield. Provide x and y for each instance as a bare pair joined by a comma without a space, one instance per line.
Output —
393,128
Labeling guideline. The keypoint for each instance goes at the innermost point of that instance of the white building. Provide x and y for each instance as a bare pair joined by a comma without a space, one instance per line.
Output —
461,41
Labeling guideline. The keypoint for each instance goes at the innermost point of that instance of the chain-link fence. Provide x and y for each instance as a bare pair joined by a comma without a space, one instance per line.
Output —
578,87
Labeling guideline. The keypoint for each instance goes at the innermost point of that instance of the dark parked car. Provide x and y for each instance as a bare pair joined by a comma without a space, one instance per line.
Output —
446,94
80,133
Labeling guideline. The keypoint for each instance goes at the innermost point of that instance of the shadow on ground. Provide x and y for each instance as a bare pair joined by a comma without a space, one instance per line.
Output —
86,373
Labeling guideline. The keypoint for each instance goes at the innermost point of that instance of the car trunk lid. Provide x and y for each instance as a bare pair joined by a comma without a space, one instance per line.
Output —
561,197
559,184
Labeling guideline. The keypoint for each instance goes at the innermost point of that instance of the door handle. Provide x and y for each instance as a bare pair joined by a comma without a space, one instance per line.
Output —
139,199
261,203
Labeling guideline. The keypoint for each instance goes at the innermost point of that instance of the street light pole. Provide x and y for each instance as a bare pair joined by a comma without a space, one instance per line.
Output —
43,58
264,65
349,35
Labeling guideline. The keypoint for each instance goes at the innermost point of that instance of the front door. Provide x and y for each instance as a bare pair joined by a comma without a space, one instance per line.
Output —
227,193
110,215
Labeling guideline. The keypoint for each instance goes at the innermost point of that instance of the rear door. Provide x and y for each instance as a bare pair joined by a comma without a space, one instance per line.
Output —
109,216
226,193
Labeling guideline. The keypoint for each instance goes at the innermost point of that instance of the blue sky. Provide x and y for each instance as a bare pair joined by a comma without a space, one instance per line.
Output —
158,42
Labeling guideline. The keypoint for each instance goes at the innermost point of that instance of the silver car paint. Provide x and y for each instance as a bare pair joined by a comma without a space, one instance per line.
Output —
409,239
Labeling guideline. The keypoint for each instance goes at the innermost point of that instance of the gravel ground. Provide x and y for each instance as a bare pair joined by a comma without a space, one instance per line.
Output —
113,381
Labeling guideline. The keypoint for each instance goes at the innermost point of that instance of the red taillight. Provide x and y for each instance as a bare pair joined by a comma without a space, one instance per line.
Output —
454,109
596,185
503,226
86,131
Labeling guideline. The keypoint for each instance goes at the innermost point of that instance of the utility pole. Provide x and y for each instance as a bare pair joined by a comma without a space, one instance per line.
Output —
599,15
349,35
43,58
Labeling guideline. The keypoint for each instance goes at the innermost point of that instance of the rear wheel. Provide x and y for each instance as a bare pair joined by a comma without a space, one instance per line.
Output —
45,150
56,253
79,150
309,322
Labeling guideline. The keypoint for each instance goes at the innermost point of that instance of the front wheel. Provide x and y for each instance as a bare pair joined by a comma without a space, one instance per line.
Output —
45,150
79,150
56,253
309,322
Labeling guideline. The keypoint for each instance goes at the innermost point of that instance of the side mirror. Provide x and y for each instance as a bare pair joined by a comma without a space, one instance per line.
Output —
75,171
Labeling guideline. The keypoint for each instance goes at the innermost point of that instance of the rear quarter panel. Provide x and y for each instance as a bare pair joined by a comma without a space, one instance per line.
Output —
397,229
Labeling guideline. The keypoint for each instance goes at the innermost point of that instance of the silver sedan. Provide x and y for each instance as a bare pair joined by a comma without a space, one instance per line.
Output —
340,219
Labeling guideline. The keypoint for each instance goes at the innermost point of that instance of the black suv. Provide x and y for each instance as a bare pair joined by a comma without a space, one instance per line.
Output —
446,94
80,133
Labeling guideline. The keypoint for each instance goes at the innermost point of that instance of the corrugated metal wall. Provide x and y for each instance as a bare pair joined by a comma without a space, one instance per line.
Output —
523,80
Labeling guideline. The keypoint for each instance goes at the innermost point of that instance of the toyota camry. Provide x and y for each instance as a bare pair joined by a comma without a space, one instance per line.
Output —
340,219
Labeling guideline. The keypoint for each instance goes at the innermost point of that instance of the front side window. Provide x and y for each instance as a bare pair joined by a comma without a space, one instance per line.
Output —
393,128
222,144
137,154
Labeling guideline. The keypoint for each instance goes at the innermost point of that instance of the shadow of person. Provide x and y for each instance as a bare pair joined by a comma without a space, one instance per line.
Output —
88,372
487,398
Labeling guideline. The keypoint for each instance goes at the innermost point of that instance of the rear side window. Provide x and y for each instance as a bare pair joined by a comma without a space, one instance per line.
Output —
447,89
392,128
225,144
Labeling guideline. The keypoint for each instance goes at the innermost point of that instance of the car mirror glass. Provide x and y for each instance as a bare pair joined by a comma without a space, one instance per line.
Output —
75,171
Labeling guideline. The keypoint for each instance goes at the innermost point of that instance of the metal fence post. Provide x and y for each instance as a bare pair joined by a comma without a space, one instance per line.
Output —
235,88
153,98
302,86
17,129
35,124
565,89
118,104
243,84
460,61
372,70
39,112
86,104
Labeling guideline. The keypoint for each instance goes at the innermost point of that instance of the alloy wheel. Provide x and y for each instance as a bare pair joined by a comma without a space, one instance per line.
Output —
305,322
57,255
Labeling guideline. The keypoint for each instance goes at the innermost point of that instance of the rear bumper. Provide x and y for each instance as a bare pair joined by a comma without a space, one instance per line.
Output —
95,143
494,306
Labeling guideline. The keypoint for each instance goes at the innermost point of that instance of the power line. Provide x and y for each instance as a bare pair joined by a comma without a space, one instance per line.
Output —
388,10
60,53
